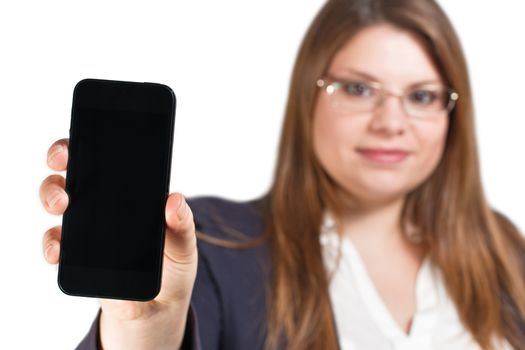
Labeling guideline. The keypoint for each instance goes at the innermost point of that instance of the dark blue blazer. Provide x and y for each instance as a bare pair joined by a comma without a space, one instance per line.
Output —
228,305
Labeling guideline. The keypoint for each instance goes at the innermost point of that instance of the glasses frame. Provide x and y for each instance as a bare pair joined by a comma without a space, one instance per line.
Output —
330,85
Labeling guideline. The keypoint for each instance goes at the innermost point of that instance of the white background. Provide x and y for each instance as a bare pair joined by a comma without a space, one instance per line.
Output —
229,63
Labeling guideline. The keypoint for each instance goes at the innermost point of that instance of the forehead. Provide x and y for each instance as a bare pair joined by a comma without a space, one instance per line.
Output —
390,54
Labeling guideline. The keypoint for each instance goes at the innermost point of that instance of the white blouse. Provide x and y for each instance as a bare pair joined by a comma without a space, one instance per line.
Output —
362,318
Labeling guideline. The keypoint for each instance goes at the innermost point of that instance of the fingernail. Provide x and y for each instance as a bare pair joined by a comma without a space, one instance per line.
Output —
56,150
47,251
54,198
183,207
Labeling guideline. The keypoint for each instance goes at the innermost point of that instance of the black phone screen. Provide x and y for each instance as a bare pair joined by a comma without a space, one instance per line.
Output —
117,181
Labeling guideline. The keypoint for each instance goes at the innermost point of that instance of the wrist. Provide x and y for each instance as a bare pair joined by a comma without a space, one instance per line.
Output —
163,329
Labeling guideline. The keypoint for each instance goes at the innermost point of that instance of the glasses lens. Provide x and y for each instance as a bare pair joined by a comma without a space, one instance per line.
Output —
355,96
426,101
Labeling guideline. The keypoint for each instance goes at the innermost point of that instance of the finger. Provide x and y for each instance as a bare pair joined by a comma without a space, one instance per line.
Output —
51,244
181,243
57,155
52,194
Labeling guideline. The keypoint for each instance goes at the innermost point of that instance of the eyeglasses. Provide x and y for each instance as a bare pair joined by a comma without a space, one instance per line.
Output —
425,101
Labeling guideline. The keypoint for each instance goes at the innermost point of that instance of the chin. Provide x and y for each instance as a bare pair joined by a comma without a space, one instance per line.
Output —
376,194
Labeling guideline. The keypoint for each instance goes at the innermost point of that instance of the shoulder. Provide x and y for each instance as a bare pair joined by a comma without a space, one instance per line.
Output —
230,235
228,219
229,295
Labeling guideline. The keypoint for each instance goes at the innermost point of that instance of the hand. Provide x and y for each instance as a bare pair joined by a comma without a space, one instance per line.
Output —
122,321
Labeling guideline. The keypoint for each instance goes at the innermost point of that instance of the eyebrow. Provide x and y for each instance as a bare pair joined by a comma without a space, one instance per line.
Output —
375,79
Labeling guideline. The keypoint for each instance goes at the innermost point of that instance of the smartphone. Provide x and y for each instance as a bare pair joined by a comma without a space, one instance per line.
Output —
118,173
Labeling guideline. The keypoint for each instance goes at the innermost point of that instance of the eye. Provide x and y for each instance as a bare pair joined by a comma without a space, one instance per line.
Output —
358,89
424,97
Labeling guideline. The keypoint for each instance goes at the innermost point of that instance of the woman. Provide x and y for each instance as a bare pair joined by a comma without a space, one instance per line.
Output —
375,234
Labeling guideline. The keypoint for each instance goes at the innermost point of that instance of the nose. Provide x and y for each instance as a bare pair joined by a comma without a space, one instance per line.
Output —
389,117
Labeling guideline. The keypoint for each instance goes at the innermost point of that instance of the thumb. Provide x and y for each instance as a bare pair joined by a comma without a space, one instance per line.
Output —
181,243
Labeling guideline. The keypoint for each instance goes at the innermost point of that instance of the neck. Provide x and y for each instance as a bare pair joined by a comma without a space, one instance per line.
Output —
376,228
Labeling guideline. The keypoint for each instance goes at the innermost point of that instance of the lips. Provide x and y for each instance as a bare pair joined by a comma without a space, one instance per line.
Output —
383,155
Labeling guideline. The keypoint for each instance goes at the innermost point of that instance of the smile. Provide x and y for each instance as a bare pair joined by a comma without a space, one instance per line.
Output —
382,156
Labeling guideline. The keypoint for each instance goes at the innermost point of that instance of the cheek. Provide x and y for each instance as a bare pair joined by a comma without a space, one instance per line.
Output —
326,136
334,138
431,139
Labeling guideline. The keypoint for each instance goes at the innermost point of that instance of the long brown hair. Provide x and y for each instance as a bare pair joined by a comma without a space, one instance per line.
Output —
480,253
